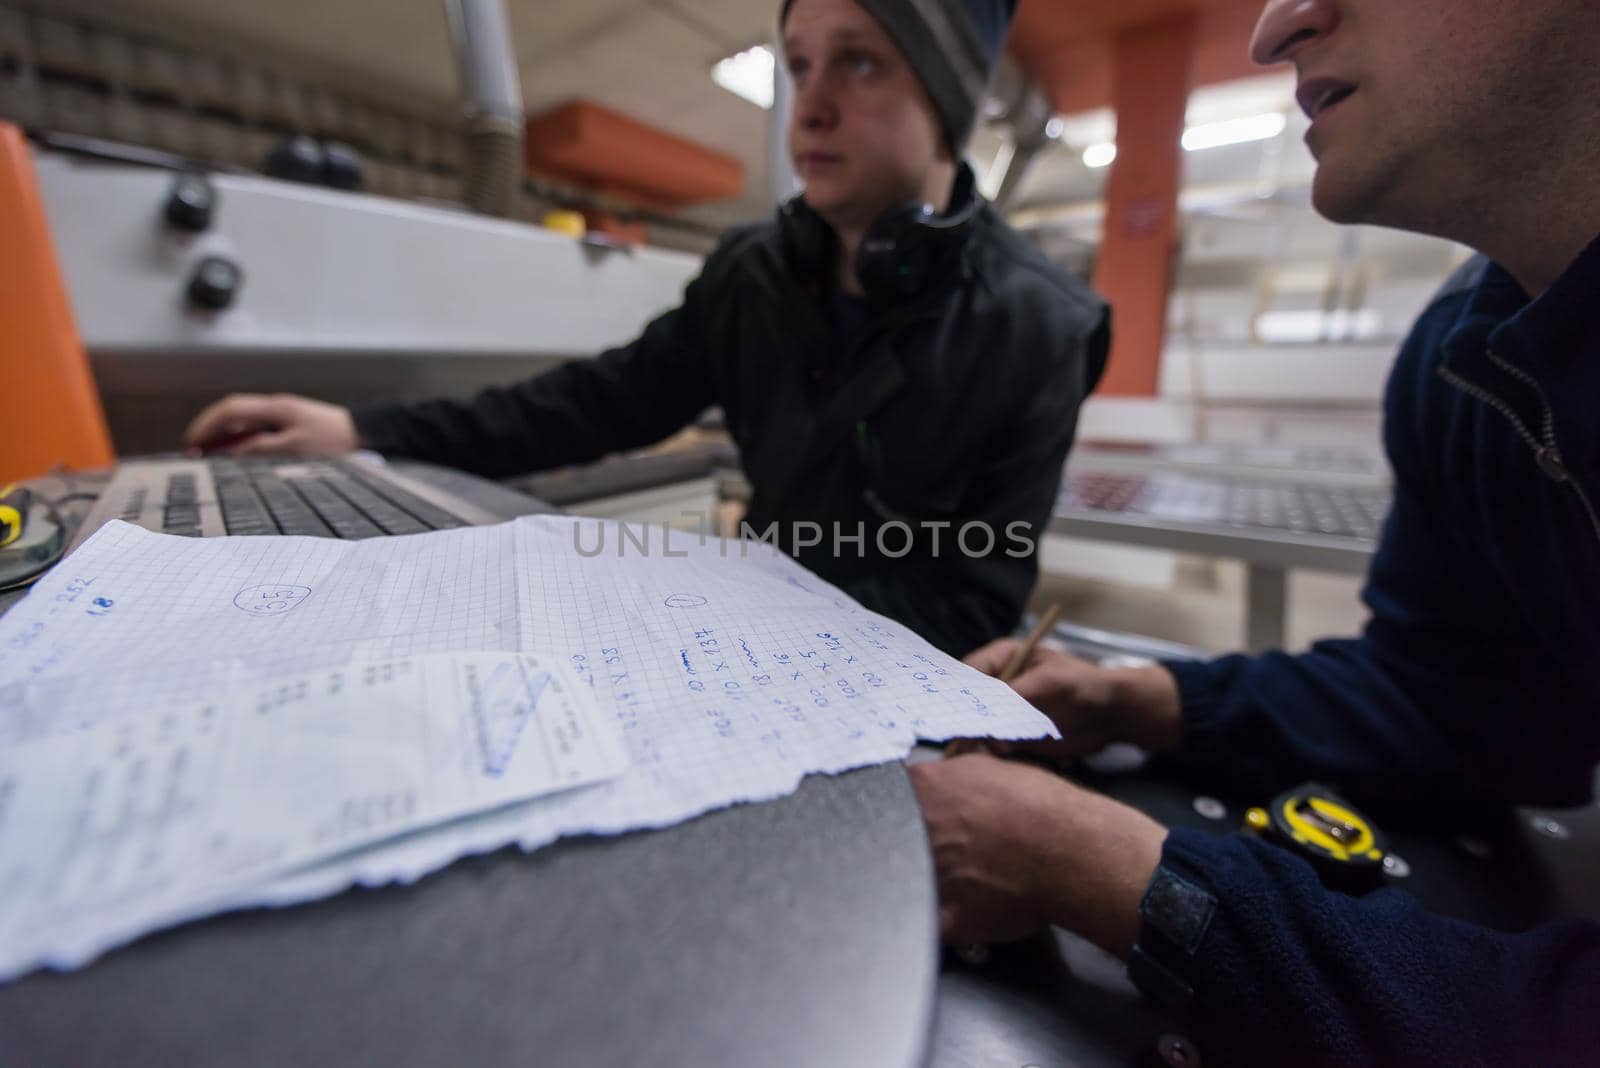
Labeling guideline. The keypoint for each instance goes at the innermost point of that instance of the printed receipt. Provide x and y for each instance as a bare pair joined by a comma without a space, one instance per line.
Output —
141,821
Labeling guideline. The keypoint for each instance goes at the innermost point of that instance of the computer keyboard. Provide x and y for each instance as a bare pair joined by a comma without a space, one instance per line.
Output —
1301,508
327,499
332,499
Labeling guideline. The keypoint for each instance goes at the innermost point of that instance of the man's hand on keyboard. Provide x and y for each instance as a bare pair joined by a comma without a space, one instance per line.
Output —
276,424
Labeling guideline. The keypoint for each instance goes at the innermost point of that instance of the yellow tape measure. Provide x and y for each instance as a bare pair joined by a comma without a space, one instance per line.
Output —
14,504
1341,843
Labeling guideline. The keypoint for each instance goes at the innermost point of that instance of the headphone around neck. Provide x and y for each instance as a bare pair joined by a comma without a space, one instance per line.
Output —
902,252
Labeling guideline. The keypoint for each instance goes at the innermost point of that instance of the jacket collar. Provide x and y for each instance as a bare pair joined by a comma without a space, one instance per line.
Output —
1554,330
1540,356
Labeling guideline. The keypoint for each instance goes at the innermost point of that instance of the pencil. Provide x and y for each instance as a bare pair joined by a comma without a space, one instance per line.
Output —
1040,629
963,746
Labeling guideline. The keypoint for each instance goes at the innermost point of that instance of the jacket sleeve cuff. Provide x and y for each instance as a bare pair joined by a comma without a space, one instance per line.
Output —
375,427
1203,687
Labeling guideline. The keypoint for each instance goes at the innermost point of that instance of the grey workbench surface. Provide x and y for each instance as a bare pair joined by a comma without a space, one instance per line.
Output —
799,932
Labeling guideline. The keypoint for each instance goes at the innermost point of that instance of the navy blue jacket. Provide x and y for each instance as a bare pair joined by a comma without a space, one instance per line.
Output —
1478,676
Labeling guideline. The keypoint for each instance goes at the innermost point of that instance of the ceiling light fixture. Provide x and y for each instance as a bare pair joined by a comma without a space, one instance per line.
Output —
748,74
1234,131
1313,325
1203,136
1100,155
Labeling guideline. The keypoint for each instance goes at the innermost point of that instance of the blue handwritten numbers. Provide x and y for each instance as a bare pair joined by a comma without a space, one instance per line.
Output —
270,600
98,606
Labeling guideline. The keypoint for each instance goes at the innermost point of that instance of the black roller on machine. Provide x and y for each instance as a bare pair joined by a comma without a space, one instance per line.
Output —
298,159
215,283
192,202
341,166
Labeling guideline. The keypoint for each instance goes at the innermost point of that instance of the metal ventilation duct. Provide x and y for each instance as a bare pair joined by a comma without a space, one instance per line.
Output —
492,100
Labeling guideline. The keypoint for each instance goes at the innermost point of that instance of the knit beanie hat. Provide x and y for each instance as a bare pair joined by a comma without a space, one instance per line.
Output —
952,45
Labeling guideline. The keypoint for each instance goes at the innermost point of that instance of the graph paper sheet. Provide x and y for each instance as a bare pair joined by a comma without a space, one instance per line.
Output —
729,671
147,819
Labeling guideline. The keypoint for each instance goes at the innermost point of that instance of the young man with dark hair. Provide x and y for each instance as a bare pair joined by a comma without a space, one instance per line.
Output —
892,359
1476,677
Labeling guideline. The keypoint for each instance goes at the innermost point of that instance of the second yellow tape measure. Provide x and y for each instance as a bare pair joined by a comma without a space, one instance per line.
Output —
14,504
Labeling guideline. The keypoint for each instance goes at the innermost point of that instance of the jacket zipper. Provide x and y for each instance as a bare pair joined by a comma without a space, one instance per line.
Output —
1546,452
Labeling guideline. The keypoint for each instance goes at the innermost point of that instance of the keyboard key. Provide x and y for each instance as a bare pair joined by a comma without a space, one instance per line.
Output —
334,510
386,515
430,515
291,513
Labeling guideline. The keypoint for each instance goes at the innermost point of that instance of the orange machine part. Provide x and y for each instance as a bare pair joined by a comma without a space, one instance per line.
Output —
608,152
52,413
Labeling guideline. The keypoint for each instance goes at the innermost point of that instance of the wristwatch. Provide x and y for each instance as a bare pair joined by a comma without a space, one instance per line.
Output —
1174,915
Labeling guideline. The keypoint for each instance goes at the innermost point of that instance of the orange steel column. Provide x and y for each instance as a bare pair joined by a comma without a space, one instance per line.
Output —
51,409
1134,269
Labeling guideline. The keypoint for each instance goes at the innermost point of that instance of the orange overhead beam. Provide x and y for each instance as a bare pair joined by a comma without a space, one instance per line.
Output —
1067,46
53,414
1133,269
605,151
1141,58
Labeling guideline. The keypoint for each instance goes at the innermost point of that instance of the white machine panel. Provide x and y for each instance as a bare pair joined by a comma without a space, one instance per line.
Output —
334,272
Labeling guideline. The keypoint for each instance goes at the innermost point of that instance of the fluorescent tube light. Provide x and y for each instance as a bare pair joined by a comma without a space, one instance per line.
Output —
1233,131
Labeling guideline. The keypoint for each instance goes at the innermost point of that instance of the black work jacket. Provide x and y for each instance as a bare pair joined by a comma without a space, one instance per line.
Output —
955,407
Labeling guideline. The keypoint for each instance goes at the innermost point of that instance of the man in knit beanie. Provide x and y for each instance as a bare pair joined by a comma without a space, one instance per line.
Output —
886,96
900,370
951,45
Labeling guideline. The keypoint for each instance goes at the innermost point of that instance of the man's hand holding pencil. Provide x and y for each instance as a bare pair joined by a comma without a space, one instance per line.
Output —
1090,705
